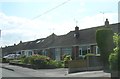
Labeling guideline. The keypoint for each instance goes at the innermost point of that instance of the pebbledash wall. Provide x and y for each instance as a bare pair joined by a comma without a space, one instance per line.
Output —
76,43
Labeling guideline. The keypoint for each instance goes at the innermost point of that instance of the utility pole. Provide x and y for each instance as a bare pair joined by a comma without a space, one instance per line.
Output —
1,46
103,16
76,21
51,30
0,33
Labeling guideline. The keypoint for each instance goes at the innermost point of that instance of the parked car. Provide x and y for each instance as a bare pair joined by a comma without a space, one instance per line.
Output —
11,56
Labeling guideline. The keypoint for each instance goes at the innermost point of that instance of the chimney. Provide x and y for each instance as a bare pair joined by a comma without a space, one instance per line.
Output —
14,44
106,23
76,35
20,42
76,28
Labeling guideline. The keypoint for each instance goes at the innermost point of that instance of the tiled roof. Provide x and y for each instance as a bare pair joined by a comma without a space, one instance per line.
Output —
86,36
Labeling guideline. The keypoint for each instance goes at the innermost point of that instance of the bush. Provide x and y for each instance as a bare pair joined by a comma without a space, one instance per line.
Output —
35,59
42,61
15,61
114,57
4,60
67,58
104,39
56,64
26,60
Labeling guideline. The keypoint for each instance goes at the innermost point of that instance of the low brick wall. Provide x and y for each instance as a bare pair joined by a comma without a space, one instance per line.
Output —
94,61
33,66
77,66
115,74
91,63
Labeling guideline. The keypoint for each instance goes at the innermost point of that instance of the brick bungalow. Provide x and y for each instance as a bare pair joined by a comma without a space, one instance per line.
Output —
76,43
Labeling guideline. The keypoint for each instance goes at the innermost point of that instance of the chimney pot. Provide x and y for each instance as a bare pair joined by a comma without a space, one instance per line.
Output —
76,28
76,32
20,41
106,22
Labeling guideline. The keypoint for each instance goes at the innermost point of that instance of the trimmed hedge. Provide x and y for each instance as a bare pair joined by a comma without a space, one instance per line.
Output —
104,39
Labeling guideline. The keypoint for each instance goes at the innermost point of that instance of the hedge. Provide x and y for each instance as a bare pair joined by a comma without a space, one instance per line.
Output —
104,39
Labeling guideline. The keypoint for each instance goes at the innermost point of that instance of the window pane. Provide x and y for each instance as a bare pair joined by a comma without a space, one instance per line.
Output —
80,51
67,51
88,50
84,50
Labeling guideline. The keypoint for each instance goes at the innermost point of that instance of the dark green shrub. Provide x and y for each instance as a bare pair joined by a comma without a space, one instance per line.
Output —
21,57
26,60
104,39
40,63
4,60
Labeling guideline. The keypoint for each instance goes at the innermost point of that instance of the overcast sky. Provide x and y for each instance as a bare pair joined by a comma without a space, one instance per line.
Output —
58,16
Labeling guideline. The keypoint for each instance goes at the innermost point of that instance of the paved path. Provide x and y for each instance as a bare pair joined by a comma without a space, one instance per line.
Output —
60,72
90,74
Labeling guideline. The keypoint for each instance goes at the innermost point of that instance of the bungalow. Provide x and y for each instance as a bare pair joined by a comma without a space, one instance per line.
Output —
76,43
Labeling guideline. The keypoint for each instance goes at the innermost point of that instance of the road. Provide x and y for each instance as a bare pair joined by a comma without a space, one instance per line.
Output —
9,73
16,71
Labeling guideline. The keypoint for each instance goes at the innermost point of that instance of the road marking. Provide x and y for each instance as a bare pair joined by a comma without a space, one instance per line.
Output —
7,68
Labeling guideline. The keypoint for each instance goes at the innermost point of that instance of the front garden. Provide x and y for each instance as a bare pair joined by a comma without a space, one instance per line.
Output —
40,62
37,62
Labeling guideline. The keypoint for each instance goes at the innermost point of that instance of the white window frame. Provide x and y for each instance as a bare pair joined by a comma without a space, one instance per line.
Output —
30,53
97,51
87,50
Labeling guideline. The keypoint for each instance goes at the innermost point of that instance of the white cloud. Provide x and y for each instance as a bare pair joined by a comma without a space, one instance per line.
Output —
15,29
101,1
25,29
97,20
48,1
43,1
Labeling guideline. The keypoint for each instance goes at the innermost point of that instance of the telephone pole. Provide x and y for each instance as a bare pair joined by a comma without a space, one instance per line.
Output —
103,16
